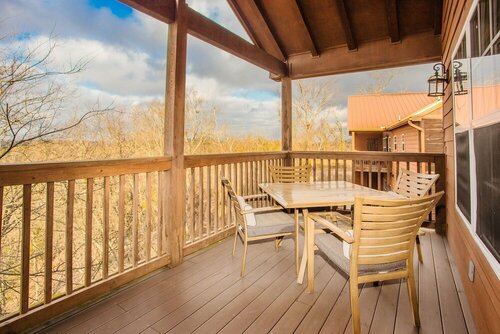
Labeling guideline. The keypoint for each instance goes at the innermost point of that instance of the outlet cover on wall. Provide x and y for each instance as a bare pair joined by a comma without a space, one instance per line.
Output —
472,269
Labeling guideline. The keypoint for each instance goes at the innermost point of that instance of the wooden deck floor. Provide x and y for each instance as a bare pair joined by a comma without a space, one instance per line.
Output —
206,295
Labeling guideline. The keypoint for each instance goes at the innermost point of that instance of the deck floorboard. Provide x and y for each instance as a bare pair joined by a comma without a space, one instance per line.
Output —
206,295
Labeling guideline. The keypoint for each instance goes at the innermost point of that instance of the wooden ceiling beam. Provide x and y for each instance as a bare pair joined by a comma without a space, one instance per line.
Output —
391,7
163,10
262,36
414,49
438,16
346,25
296,6
207,30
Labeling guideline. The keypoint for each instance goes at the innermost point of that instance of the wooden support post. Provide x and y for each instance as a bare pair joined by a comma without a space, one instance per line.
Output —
440,166
286,118
174,134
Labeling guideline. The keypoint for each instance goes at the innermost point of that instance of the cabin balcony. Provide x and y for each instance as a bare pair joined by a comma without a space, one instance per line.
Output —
106,261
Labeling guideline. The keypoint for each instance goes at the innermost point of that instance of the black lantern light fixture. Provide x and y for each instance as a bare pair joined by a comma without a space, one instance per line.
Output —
438,80
458,79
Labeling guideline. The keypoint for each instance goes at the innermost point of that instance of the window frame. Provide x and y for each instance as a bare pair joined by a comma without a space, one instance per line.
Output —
491,119
395,143
403,142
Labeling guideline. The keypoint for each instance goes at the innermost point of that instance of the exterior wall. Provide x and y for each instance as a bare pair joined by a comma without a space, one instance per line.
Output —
434,135
362,139
411,139
484,293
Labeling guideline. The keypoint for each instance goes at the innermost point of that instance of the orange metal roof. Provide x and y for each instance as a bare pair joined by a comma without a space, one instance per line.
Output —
372,112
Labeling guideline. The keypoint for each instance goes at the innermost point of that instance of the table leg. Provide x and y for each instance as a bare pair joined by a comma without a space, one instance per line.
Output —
310,231
297,233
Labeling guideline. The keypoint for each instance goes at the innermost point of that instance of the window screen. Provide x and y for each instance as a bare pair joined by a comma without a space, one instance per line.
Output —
463,173
486,144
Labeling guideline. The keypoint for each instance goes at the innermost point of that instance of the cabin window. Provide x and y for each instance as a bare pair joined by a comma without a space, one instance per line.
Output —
395,143
403,142
476,111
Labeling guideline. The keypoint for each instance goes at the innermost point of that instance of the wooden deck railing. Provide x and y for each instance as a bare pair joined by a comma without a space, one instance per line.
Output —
70,232
74,230
208,214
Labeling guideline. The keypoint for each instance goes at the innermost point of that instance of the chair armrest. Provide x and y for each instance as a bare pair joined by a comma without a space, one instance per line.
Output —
335,229
263,209
256,196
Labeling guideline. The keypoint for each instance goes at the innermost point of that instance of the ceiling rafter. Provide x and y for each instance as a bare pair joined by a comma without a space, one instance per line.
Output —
266,39
438,16
162,10
391,8
346,25
207,30
300,14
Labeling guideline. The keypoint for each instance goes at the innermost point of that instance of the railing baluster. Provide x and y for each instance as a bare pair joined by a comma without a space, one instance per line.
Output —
49,240
159,231
379,175
105,229
362,173
193,208
329,169
209,200
88,231
200,203
370,174
121,224
135,220
336,169
69,236
148,217
25,249
216,185
345,169
314,169
353,171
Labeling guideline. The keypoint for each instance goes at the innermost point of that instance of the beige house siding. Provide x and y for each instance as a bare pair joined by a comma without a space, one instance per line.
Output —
484,293
411,137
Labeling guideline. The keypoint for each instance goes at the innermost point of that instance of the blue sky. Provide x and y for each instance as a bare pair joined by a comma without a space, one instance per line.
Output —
127,52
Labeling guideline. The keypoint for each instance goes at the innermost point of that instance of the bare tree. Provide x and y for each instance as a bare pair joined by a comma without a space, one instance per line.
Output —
316,124
380,81
33,95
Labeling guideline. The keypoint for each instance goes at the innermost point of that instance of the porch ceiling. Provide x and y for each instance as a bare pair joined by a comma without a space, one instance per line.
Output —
299,38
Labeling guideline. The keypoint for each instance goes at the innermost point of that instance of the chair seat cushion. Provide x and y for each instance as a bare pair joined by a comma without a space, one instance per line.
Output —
331,246
271,223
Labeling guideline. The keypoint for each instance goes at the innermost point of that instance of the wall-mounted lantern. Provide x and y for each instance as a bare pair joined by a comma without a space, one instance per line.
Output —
438,80
458,79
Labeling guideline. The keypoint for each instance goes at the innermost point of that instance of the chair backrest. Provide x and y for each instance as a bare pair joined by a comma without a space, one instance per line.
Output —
228,186
413,184
290,174
240,218
385,230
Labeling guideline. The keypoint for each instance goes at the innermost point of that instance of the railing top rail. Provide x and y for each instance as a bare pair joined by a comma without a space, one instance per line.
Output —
369,155
191,161
30,173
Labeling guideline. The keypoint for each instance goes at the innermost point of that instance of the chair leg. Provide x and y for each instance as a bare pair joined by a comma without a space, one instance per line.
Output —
412,293
419,250
235,237
296,219
356,319
243,265
277,243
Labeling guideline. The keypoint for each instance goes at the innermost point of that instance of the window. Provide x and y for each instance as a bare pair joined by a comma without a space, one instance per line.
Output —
476,111
403,142
395,143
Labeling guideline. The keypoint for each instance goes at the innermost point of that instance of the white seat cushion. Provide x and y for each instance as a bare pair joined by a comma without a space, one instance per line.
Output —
249,217
271,223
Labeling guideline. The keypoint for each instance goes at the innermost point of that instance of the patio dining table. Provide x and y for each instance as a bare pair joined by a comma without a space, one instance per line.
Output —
309,195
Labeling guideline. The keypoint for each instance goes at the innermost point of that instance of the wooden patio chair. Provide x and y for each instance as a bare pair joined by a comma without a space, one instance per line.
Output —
412,184
381,245
290,174
258,223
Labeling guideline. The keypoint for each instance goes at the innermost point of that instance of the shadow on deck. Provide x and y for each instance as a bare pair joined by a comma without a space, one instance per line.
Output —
206,295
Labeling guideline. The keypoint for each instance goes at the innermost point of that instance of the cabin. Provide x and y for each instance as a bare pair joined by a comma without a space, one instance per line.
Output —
399,122
166,264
